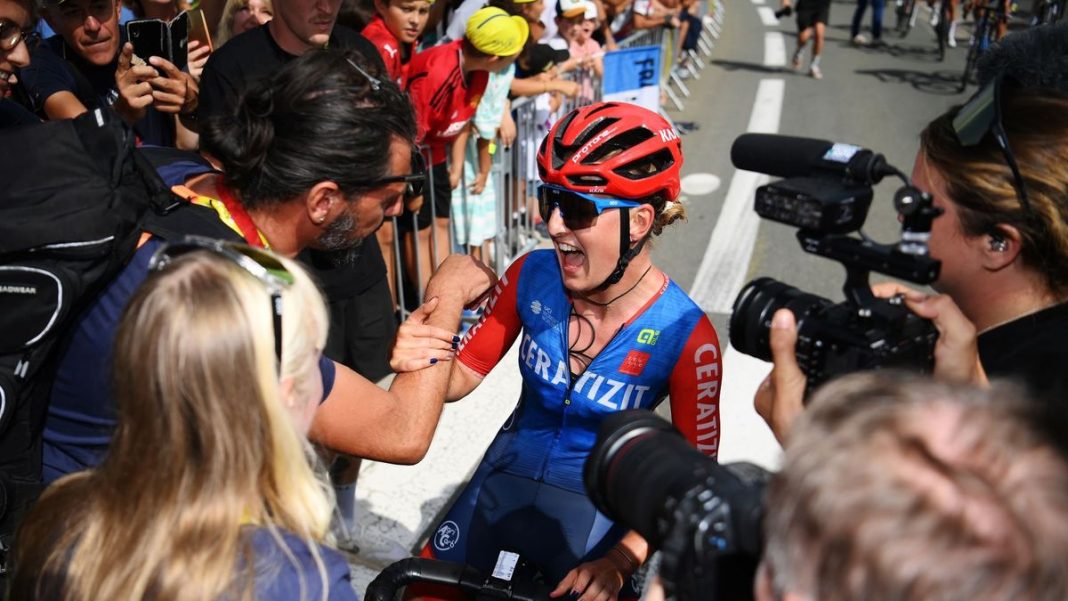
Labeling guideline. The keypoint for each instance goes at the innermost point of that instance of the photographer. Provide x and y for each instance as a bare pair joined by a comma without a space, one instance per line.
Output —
895,487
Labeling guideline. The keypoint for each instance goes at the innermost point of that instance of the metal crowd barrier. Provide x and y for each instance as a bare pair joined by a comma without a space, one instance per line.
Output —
513,174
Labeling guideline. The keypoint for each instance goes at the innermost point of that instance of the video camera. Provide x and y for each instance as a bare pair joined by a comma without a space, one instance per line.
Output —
827,193
704,518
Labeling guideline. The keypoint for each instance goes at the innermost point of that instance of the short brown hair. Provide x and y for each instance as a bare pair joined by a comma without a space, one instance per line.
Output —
895,487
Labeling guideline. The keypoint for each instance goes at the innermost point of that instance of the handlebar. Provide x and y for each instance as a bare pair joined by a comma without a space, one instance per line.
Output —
511,579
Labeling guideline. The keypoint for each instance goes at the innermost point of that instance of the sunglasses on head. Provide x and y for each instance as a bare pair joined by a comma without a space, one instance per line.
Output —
259,263
11,34
416,178
579,211
982,115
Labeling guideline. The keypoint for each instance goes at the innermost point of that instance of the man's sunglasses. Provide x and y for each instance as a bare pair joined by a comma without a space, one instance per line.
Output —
259,263
416,178
982,115
579,211
11,34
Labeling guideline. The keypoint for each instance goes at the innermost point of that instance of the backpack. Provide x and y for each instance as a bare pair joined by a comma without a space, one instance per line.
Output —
74,198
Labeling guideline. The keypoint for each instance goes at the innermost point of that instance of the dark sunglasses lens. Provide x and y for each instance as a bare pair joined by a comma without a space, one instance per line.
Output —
577,212
10,34
974,119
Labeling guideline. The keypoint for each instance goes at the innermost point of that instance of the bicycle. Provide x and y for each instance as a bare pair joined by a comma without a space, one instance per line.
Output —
513,578
986,33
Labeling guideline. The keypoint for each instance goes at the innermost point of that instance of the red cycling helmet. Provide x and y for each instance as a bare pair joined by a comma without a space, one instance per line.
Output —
613,148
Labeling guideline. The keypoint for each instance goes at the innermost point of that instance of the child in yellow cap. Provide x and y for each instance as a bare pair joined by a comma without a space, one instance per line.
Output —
445,84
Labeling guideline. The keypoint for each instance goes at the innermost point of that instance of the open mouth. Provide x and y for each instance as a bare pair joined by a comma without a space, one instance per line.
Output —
570,256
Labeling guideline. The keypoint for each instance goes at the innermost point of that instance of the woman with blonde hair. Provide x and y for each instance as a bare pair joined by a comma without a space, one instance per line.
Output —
210,489
239,16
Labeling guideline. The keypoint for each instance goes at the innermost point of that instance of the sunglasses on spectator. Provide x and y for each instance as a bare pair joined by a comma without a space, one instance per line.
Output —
259,263
11,34
980,116
579,211
416,179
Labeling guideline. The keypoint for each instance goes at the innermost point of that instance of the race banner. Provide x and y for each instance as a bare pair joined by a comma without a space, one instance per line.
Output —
632,75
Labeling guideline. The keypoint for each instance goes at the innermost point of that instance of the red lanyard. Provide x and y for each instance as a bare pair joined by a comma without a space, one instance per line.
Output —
240,216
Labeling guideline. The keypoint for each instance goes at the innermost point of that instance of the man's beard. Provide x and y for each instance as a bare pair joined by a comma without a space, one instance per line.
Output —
336,243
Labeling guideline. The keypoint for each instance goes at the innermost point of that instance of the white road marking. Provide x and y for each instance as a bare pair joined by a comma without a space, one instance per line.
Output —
767,16
745,435
774,49
699,184
726,262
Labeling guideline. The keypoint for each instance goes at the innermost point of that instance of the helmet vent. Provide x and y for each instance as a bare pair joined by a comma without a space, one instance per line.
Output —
619,143
647,166
587,180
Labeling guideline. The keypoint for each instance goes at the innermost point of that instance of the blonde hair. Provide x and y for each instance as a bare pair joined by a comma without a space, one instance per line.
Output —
204,445
899,488
225,29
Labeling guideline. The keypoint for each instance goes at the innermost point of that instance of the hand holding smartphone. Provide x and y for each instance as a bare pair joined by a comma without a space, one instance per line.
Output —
154,37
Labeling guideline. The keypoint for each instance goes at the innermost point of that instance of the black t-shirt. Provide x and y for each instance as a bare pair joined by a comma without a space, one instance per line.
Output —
255,54
55,67
13,114
1032,350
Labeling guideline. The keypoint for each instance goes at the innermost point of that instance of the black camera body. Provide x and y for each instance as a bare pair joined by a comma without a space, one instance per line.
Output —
827,194
704,518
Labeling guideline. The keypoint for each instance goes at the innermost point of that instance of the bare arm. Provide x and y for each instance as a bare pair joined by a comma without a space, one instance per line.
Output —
397,425
63,105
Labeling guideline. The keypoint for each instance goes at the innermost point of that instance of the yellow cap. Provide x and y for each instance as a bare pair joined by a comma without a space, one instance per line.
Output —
493,31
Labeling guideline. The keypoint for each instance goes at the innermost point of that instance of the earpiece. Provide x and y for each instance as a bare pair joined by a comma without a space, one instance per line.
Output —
998,243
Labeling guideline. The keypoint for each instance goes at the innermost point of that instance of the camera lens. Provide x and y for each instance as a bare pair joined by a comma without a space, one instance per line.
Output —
639,462
751,315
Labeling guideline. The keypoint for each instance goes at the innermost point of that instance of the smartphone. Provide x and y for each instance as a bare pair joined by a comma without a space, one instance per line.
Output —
153,37
149,38
179,40
198,28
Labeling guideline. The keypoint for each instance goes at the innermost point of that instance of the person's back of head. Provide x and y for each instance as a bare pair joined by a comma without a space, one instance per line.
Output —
325,116
895,487
210,439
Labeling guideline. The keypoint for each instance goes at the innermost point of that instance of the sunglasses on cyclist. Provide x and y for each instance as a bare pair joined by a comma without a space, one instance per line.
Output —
416,179
579,211
259,263
11,34
982,115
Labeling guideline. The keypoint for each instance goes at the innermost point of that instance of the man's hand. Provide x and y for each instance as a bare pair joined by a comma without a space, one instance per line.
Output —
132,82
420,345
780,397
171,91
464,273
957,349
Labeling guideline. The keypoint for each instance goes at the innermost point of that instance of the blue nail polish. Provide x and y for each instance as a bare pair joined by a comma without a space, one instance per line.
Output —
455,345
455,339
433,361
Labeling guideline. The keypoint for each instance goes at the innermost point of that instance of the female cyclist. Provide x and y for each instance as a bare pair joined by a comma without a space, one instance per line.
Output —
603,329
210,489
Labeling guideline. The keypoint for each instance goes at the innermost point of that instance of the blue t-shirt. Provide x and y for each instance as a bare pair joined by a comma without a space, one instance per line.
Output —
81,413
55,67
283,566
